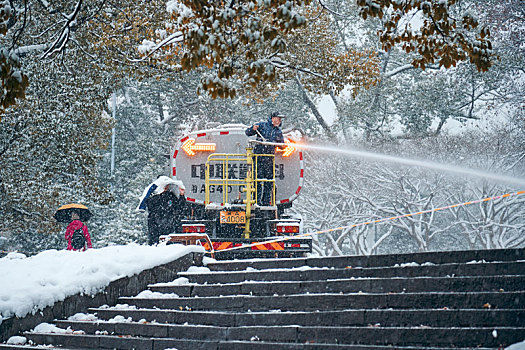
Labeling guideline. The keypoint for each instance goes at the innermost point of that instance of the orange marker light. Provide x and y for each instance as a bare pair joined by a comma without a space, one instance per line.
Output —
190,147
288,150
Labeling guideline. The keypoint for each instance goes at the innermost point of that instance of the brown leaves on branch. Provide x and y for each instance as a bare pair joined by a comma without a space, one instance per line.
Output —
241,40
119,28
14,82
253,47
248,44
317,48
441,38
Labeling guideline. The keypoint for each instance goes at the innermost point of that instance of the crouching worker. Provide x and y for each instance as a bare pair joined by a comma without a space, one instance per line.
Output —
77,235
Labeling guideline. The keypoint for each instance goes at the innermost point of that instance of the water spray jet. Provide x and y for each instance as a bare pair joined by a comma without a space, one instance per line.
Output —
413,162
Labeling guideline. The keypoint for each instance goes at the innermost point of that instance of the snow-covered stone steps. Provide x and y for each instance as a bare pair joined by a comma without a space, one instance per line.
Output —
332,301
143,335
130,342
354,285
375,260
474,268
30,347
352,317
183,344
420,301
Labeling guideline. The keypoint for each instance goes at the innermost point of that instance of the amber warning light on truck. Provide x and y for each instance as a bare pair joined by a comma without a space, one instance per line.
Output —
190,147
288,150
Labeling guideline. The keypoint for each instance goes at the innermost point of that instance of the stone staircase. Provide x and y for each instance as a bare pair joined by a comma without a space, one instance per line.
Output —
438,300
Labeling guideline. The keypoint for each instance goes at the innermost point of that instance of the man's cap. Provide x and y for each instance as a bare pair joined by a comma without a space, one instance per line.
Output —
277,114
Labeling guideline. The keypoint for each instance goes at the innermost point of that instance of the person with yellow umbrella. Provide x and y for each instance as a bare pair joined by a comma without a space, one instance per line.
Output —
77,234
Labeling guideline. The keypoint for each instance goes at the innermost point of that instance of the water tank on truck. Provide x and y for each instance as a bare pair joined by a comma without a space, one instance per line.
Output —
215,167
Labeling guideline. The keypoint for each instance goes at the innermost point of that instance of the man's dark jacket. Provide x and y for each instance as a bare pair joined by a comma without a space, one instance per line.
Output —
270,133
165,211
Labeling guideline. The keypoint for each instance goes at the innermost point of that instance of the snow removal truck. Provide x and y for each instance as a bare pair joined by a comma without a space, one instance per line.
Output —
219,170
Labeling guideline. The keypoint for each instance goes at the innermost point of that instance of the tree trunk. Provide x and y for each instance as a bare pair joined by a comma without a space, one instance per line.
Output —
160,107
314,109
341,120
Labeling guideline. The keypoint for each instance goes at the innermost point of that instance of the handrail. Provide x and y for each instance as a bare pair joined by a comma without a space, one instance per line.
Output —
249,182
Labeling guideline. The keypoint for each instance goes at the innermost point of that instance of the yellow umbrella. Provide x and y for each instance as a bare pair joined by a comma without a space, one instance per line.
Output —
63,214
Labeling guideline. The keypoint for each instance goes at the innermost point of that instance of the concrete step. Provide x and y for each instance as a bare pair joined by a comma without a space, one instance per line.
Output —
30,347
318,274
367,285
142,336
302,302
187,344
243,345
89,341
374,260
360,317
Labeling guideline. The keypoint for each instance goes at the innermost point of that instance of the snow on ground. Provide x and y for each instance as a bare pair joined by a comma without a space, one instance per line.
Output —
176,282
196,270
148,294
29,284
517,346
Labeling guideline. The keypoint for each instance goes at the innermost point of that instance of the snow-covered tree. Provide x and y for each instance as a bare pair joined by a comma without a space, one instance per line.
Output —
51,142
353,194
50,147
14,81
247,41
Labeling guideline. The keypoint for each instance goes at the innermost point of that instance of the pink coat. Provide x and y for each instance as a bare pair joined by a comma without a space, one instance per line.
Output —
72,227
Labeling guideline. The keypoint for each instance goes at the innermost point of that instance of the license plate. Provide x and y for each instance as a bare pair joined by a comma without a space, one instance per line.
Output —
233,217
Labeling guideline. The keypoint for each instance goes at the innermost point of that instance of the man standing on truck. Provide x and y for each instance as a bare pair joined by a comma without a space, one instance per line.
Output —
268,131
